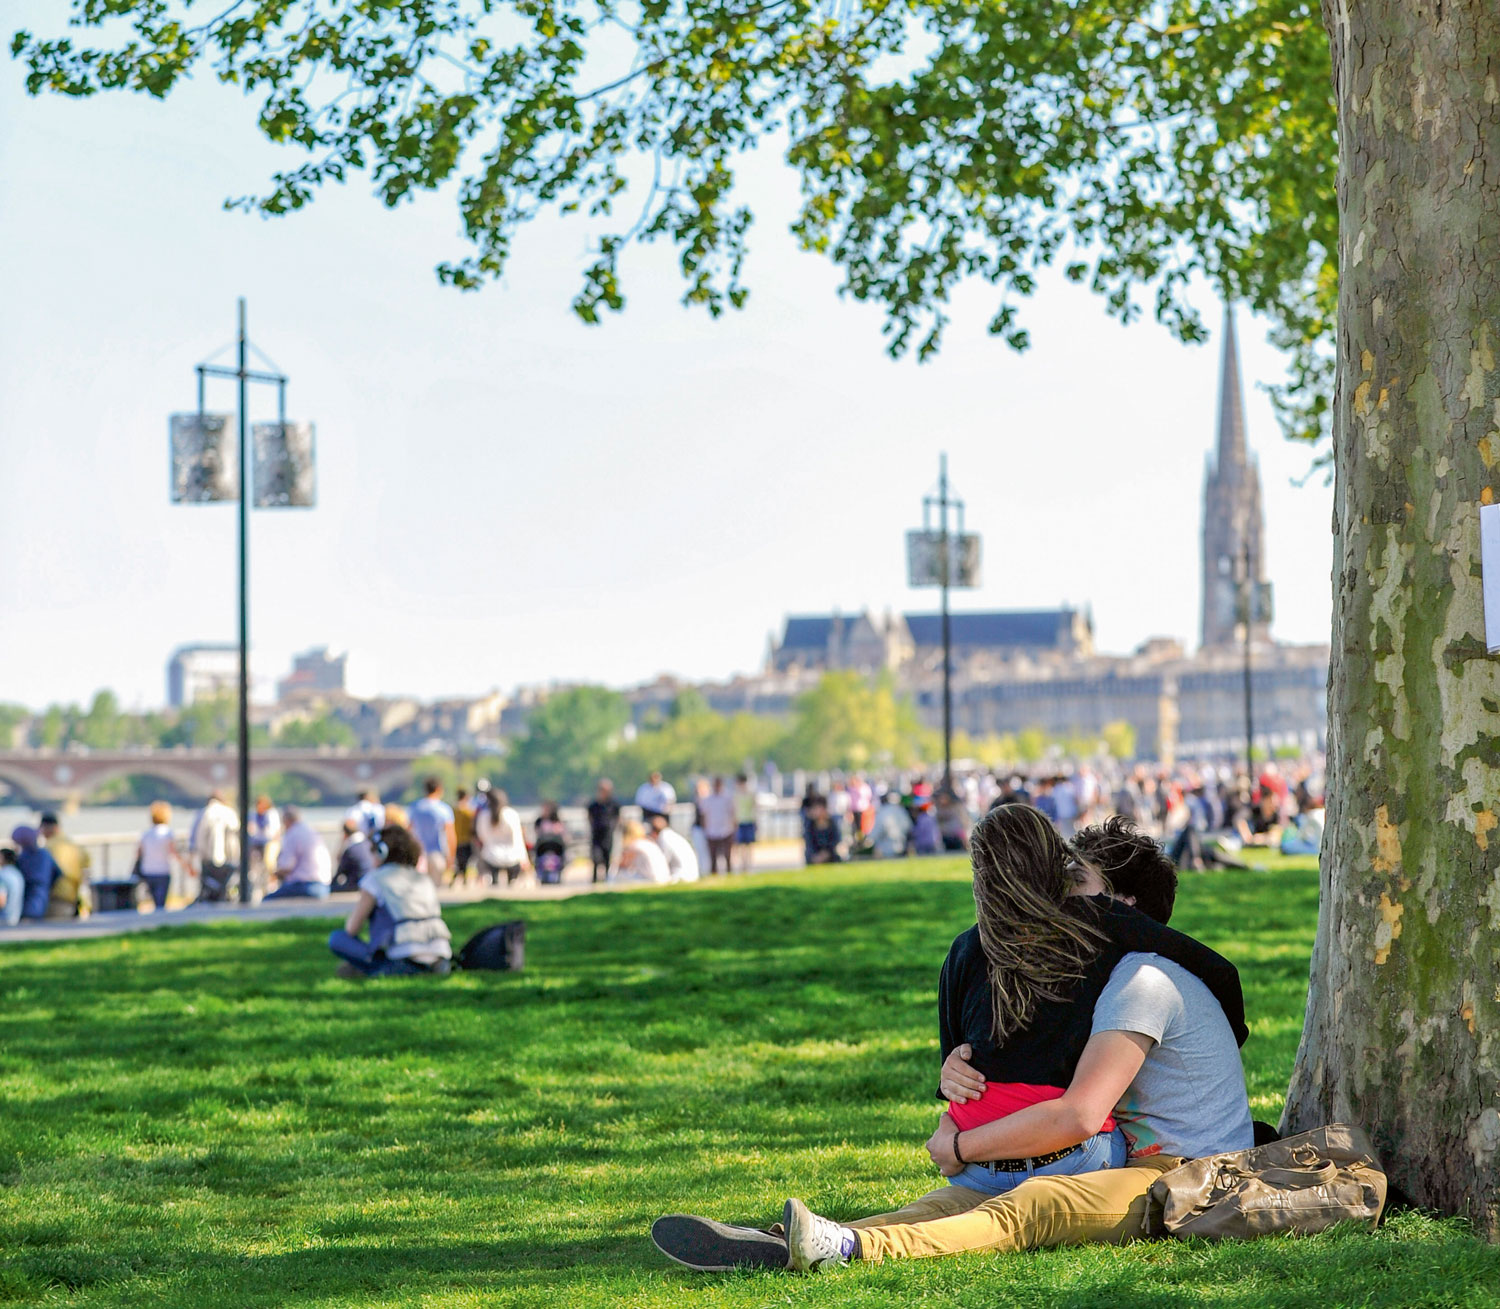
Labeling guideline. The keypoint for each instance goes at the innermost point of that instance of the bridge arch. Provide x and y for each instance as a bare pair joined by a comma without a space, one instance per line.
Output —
185,781
28,785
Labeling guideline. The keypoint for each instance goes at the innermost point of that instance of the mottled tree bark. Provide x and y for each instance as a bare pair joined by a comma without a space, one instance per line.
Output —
1403,1022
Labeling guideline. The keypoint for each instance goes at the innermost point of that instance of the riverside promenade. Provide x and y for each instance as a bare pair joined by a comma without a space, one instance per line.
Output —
777,856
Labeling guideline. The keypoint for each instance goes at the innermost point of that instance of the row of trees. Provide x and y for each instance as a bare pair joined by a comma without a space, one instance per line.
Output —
574,737
206,723
846,722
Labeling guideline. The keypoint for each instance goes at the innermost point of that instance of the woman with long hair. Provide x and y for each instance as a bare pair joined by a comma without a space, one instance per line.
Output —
1020,986
502,844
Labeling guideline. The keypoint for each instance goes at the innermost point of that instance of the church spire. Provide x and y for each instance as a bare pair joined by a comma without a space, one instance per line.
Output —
1232,452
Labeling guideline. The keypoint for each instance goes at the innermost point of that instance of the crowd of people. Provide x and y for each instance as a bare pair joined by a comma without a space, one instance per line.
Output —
1204,816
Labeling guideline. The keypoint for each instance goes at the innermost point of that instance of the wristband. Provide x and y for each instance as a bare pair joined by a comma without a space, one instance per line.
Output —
957,1132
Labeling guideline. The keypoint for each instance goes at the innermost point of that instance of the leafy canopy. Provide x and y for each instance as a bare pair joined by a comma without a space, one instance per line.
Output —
936,140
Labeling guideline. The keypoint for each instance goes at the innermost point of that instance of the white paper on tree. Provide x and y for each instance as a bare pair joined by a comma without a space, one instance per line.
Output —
1489,558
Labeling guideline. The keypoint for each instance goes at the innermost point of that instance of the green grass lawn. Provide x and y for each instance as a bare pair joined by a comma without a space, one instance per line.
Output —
206,1116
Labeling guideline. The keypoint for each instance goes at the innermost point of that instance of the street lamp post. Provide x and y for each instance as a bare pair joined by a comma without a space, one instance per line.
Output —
946,559
200,476
1248,604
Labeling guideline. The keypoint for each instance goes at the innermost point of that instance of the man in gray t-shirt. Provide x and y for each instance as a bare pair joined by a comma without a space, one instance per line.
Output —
1188,1098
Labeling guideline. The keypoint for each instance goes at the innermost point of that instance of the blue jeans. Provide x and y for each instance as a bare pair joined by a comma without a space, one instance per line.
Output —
158,884
300,891
15,894
364,956
1102,1150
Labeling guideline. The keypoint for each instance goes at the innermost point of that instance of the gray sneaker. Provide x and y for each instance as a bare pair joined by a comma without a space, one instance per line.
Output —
711,1247
813,1242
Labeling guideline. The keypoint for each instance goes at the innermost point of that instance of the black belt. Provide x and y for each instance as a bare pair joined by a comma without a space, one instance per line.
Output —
1025,1165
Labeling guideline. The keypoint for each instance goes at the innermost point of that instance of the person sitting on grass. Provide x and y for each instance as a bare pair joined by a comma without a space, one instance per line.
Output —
38,869
641,859
304,864
400,904
822,836
682,859
12,888
1052,946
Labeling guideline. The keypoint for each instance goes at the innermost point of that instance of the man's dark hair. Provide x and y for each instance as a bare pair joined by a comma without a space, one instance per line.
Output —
401,847
1132,863
432,785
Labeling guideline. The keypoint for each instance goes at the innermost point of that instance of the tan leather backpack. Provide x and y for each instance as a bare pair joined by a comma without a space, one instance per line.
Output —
1301,1184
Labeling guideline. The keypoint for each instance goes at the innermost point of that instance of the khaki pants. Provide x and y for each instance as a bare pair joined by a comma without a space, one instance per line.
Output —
1108,1206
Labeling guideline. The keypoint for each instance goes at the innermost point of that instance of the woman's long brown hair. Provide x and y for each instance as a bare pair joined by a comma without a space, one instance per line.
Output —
1035,937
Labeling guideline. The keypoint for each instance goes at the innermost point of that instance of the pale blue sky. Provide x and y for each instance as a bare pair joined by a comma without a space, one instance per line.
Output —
507,496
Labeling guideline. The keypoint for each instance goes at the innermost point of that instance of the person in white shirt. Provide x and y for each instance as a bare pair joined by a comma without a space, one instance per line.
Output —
641,859
718,810
890,834
682,861
304,865
655,797
502,844
157,853
216,842
368,815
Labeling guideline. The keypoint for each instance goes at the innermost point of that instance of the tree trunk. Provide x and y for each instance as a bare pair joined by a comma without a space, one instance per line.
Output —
1403,1020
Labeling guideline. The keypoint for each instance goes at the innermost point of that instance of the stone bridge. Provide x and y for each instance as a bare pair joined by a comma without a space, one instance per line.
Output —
66,777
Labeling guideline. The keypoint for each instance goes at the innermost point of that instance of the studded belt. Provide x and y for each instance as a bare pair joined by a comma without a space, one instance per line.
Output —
1026,1165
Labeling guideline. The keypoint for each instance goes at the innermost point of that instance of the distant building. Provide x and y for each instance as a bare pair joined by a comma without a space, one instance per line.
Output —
202,672
1233,520
314,673
1017,670
869,644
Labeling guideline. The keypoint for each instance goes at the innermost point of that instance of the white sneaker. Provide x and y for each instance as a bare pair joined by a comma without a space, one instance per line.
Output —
813,1242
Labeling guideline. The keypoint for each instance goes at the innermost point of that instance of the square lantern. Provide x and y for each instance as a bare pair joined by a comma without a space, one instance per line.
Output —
205,459
285,474
924,559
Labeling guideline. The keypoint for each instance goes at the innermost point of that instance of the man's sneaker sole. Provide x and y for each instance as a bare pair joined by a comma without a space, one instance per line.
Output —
709,1247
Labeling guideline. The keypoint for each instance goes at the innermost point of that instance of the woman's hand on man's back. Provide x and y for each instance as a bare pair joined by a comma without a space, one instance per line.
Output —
959,1081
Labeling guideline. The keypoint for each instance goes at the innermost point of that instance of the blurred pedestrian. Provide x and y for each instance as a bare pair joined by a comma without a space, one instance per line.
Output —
157,853
746,821
604,818
432,824
356,856
549,844
718,813
74,863
463,835
502,844
890,833
216,842
265,836
367,812
655,796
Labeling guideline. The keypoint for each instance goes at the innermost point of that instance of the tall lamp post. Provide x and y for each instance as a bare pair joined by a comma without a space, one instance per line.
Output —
204,471
946,559
1254,606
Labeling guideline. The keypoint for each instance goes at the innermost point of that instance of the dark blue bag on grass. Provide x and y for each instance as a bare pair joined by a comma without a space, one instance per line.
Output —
501,948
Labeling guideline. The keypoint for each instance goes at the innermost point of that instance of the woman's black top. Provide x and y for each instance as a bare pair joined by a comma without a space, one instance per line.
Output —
1046,1053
